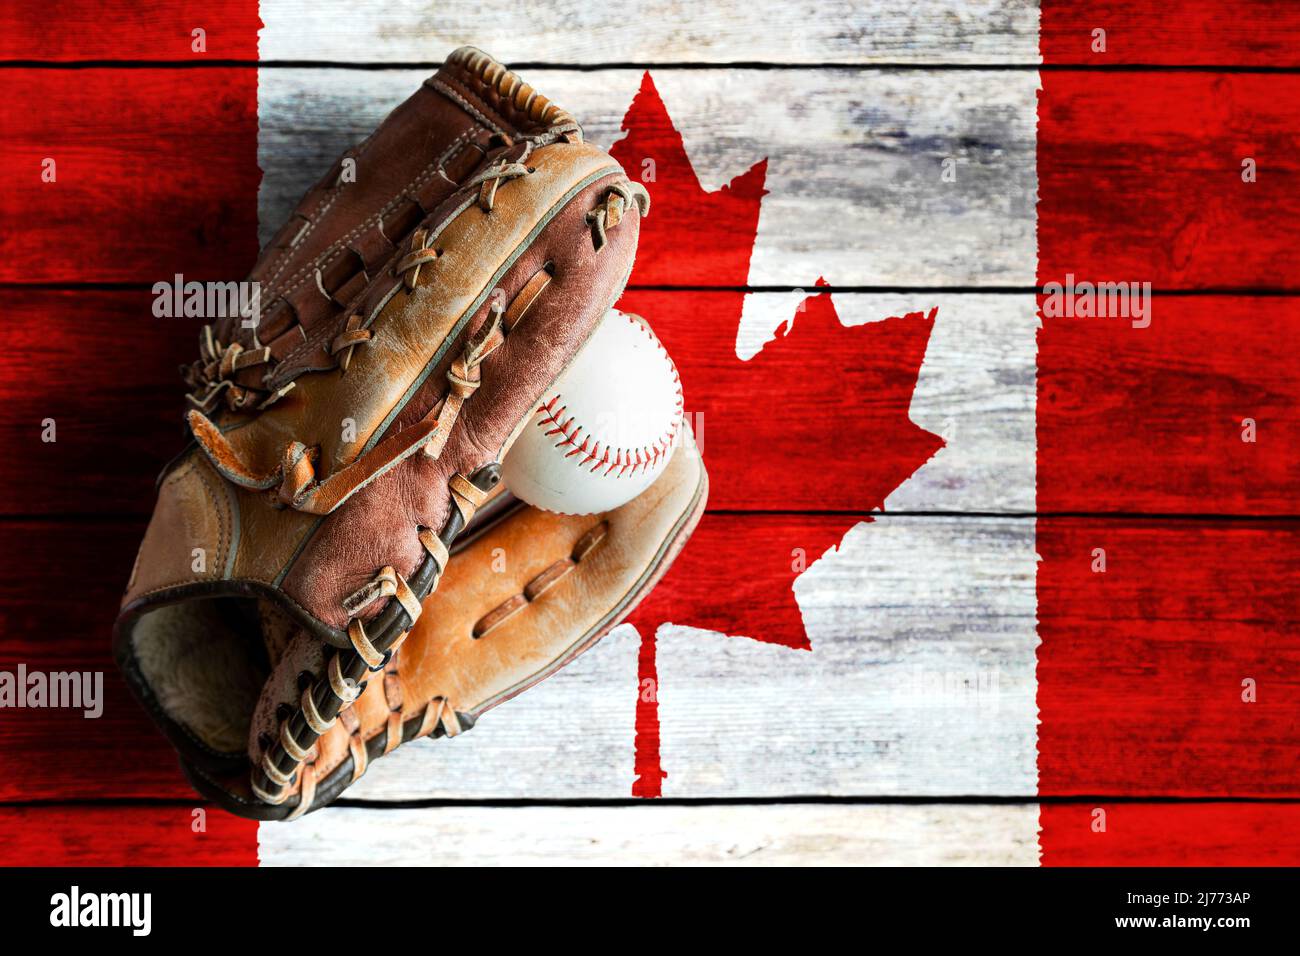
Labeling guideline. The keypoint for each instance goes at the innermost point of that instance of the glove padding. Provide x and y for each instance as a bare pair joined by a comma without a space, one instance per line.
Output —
419,302
485,635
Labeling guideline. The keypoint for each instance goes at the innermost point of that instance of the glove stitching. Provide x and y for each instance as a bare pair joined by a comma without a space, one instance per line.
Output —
327,256
444,87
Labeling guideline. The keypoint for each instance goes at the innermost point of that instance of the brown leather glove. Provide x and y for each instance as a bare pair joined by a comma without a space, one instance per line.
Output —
418,303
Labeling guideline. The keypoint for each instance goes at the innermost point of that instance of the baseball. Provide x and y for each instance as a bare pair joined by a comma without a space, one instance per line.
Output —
605,430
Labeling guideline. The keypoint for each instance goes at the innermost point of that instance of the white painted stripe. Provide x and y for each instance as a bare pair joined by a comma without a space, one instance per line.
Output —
920,680
921,675
854,159
569,737
656,31
659,835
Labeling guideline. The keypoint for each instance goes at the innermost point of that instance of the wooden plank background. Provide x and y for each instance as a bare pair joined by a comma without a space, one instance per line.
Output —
920,682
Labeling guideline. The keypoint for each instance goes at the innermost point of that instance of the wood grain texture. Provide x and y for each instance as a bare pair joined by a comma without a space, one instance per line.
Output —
1171,834
917,682
660,835
975,391
1170,670
947,32
1151,420
66,30
73,573
854,159
125,835
1143,668
1205,32
919,678
900,618
156,174
657,31
1141,179
920,674
574,736
569,737
105,369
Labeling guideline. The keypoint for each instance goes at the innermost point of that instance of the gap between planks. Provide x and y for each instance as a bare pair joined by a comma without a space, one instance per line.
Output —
657,66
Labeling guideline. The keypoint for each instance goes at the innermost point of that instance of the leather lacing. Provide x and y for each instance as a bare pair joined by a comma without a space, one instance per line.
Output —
513,90
541,583
325,698
211,380
439,717
609,213
295,476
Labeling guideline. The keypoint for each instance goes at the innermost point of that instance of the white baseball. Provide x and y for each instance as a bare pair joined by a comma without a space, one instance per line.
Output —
605,430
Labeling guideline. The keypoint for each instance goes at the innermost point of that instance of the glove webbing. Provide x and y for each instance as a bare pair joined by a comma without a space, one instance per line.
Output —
212,378
296,473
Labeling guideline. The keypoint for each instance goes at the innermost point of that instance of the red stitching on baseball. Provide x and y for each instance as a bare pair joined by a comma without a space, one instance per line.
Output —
628,461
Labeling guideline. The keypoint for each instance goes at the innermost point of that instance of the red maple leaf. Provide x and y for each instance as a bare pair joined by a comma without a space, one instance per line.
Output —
803,440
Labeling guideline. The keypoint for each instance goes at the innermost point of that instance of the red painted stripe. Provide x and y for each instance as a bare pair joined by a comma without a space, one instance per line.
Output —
1144,668
1141,668
115,30
155,172
1140,178
106,371
1163,834
1214,32
648,766
1151,420
105,835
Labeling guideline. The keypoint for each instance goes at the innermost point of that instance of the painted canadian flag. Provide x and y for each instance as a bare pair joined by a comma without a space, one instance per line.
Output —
988,575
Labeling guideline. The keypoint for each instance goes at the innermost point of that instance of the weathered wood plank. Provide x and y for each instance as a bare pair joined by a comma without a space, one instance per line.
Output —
660,835
125,835
1170,834
1204,32
1174,670
1144,178
568,32
573,735
121,30
1001,32
920,677
154,172
920,680
657,31
570,736
855,159
1168,661
104,368
903,599
976,391
1197,413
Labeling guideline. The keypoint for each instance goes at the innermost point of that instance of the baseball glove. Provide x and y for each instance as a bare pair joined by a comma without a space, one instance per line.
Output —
342,485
